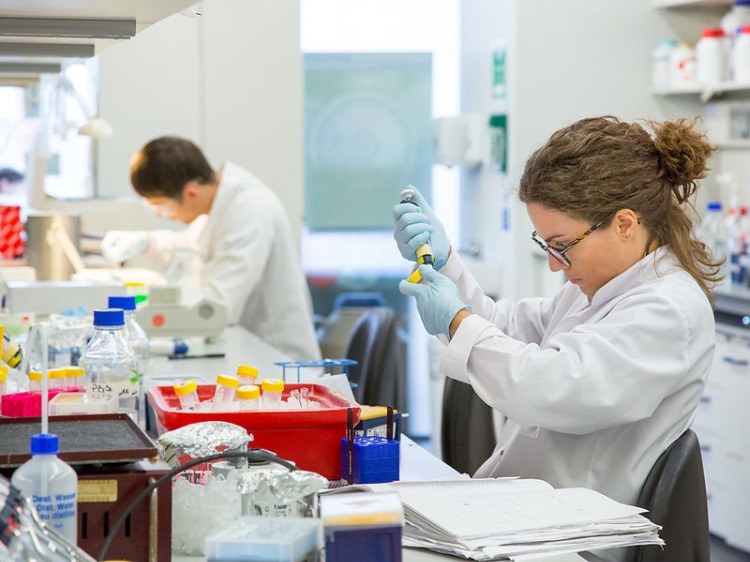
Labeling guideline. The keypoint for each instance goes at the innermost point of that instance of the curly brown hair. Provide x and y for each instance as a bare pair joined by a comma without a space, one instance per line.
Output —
597,166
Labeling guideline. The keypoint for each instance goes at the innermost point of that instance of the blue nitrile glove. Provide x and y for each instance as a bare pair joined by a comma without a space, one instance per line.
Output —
438,300
416,224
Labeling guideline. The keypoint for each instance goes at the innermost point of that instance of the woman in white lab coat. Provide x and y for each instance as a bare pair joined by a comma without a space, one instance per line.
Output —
247,257
599,380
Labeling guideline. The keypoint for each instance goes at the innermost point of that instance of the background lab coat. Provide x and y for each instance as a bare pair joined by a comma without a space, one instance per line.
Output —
594,390
249,262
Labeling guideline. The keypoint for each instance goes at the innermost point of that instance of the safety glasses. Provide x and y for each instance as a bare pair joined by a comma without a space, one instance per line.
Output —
559,252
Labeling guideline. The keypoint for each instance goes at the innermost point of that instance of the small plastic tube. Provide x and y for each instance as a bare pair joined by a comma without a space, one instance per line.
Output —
249,397
76,377
3,378
247,374
272,389
57,377
35,381
187,394
226,389
304,400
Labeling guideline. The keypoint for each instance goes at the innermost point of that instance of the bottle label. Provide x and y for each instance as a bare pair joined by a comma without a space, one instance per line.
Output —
55,509
107,390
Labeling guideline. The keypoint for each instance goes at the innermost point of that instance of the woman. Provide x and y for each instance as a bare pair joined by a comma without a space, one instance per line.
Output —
599,380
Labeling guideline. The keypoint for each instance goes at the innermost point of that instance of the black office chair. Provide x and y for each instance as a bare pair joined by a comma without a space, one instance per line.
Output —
367,345
675,495
468,433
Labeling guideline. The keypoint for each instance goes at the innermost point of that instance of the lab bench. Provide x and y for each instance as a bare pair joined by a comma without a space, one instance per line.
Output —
722,416
242,347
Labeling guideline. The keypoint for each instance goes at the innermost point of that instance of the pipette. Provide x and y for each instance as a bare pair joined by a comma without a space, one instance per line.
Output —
424,252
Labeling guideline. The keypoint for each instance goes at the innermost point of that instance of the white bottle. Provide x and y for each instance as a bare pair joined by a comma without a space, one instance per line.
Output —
51,485
138,341
735,18
711,61
660,69
712,232
741,56
682,66
110,363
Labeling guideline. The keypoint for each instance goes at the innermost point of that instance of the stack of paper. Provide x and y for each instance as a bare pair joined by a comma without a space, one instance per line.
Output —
485,519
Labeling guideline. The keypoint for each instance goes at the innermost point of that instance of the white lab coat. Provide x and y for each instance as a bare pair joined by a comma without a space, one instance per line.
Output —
249,262
594,390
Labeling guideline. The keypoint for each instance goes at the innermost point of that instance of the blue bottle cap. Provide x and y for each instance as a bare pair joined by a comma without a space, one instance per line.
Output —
109,317
44,444
714,205
126,302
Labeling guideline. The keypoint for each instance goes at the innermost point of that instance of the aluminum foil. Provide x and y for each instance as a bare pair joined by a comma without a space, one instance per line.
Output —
279,493
202,439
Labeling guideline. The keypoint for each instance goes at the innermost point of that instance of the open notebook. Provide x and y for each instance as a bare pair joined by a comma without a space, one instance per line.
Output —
485,519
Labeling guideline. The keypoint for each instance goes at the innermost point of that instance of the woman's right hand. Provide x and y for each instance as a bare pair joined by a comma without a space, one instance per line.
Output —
415,225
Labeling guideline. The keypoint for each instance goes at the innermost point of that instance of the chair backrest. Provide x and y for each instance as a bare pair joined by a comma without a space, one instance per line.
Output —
367,344
675,495
468,433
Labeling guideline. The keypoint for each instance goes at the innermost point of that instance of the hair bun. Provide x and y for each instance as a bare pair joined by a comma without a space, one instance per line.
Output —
683,152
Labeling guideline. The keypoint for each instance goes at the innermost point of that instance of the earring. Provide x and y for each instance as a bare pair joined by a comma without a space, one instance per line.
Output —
628,236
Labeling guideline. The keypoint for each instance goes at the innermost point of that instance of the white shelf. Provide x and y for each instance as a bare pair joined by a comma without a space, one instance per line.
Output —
691,3
734,144
705,91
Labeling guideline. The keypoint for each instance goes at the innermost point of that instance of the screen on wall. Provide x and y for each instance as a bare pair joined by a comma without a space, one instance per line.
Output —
368,133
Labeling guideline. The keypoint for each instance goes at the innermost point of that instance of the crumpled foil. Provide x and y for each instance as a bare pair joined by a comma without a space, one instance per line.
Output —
276,493
201,439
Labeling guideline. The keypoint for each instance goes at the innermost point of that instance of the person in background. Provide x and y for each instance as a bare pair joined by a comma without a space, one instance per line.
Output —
597,381
247,257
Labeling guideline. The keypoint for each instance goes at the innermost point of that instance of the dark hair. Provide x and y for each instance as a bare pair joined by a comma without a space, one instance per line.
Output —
597,166
165,165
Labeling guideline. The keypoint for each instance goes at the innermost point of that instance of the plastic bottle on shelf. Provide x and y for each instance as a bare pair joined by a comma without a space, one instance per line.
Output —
737,247
741,56
660,67
272,389
247,374
138,341
712,231
226,390
735,18
249,397
682,66
187,394
51,485
711,57
110,362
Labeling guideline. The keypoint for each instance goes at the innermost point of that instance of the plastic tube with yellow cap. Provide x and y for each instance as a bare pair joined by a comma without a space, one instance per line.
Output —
272,389
247,374
226,389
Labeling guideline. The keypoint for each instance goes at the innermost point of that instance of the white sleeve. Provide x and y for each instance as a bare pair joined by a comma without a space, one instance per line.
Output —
595,376
525,320
238,261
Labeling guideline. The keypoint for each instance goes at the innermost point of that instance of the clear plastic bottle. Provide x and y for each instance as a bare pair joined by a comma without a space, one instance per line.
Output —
712,231
51,485
138,341
110,362
741,56
187,394
247,374
272,389
711,57
226,389
660,73
249,397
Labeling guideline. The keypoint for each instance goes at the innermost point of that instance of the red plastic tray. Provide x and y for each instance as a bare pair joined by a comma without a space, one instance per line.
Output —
310,438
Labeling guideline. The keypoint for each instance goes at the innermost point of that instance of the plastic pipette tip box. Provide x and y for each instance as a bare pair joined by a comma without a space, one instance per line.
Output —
365,527
375,459
265,539
28,404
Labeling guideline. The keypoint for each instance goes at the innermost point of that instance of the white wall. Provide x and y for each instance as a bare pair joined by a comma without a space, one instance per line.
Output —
230,80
